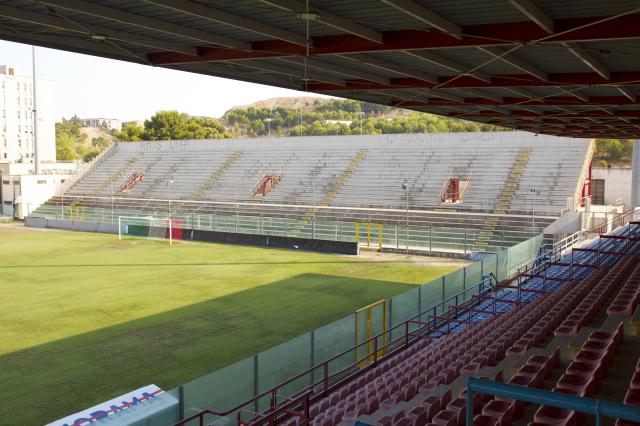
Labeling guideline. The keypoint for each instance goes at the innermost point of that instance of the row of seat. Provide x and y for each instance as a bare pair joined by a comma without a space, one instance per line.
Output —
538,323
534,330
628,298
594,300
583,376
503,411
632,397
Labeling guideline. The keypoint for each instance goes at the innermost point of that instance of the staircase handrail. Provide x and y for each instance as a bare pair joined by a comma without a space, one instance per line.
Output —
87,168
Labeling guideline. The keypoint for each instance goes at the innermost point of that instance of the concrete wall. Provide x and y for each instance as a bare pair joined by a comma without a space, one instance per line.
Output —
23,194
617,184
40,222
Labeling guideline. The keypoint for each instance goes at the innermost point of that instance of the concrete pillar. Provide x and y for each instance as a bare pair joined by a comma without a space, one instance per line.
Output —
635,174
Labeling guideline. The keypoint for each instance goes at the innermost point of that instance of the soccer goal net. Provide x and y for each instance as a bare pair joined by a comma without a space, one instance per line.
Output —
147,227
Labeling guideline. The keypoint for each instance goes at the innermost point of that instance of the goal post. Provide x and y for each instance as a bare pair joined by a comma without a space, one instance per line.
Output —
148,227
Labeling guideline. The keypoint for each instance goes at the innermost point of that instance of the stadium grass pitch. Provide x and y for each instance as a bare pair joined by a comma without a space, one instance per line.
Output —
85,317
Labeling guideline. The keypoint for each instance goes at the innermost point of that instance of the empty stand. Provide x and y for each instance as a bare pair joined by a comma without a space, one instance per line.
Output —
355,171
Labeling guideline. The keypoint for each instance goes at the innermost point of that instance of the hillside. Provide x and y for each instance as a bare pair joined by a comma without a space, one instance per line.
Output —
326,116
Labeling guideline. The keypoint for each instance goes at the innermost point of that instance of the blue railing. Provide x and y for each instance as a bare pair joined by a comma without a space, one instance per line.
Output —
596,407
486,285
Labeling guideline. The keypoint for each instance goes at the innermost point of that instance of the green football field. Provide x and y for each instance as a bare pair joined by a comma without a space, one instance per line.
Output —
85,317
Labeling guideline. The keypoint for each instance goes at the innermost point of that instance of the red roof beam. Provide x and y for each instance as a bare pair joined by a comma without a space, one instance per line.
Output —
556,100
510,80
497,34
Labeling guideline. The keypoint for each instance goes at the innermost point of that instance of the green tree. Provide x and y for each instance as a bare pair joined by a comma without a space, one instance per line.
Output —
130,132
66,147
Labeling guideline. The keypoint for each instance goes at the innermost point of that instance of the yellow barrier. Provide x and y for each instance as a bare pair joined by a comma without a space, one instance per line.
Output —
368,313
369,225
76,213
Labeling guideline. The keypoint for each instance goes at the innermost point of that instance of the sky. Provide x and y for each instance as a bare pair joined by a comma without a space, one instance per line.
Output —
89,86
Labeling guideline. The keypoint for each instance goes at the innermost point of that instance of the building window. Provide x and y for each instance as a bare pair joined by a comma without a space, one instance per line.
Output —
6,182
42,182
597,191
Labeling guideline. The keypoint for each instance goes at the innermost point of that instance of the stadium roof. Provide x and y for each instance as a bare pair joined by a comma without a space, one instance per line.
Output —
563,67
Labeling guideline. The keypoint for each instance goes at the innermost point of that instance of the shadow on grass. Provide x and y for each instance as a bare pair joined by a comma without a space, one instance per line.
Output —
49,381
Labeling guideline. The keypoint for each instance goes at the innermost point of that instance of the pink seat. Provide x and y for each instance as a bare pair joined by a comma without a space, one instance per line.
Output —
445,418
626,423
583,386
404,422
546,364
632,397
520,380
554,416
482,420
592,358
517,350
586,369
535,372
418,416
501,410
458,406
432,406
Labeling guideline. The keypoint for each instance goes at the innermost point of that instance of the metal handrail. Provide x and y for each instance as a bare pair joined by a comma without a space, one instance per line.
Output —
596,407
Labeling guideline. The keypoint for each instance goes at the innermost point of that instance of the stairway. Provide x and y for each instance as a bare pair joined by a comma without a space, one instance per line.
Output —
503,203
114,176
213,178
333,191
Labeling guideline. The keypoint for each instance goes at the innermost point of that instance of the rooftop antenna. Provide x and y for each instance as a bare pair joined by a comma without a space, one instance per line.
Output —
36,156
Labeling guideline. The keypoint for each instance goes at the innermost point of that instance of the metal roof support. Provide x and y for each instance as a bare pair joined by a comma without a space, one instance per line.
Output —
62,24
627,92
121,16
484,95
533,12
390,66
588,59
439,60
209,13
514,61
291,72
327,18
425,15
338,69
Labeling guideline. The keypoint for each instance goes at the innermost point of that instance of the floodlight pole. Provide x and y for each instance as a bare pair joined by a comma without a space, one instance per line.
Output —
36,154
169,183
406,190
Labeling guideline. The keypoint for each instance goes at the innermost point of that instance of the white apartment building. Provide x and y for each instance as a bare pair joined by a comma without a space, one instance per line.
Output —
16,118
111,123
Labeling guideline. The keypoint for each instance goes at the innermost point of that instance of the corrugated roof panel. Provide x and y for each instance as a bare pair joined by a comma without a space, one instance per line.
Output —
475,57
585,8
551,59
